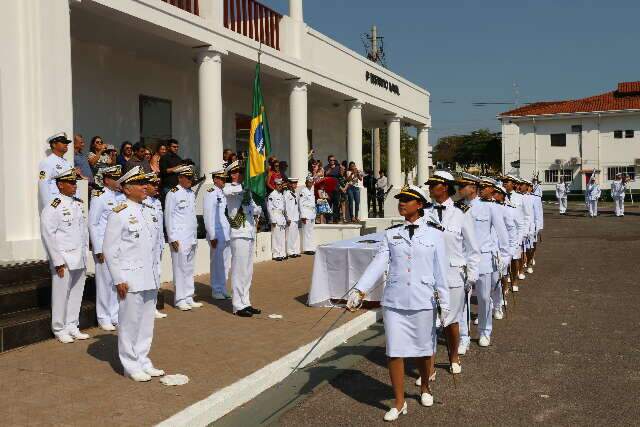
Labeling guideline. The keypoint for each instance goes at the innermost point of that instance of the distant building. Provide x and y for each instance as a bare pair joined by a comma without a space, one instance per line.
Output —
575,138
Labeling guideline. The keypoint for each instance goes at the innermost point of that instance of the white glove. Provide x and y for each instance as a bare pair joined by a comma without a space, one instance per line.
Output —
446,317
354,301
468,285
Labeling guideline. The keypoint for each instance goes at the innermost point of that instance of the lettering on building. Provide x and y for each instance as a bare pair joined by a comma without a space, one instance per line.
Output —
383,83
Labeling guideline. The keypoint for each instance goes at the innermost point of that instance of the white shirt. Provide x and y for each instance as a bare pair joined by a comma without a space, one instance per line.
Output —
618,189
180,216
291,206
215,218
247,228
64,232
561,190
152,209
102,204
307,203
515,199
593,192
49,167
276,208
491,233
382,183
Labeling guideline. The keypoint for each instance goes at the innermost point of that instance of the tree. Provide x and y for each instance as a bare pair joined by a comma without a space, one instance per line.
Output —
480,148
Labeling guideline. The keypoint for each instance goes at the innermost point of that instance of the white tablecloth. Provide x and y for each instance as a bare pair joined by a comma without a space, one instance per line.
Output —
338,266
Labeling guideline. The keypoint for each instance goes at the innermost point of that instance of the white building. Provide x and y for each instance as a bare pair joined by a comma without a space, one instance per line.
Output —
574,138
145,69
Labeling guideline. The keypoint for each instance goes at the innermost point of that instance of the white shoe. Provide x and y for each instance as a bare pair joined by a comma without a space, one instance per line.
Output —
195,304
515,288
498,315
393,414
153,372
521,276
183,306
475,321
508,279
160,315
107,327
65,338
463,347
533,262
426,399
140,377
456,368
80,336
432,378
530,270
484,341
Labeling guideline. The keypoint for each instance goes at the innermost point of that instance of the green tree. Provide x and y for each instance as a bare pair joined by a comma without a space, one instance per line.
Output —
480,148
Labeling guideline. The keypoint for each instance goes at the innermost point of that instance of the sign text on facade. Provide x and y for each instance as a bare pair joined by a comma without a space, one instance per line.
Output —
379,81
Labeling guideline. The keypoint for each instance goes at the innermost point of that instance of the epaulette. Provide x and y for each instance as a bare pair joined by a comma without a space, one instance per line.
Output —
429,205
462,206
174,189
210,190
55,202
119,207
394,226
97,193
435,225
77,199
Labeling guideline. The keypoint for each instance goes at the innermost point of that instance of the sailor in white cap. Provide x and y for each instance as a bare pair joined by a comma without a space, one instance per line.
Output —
307,215
562,190
63,228
292,210
618,189
182,232
530,231
102,203
218,234
415,258
130,250
511,184
276,208
53,165
242,213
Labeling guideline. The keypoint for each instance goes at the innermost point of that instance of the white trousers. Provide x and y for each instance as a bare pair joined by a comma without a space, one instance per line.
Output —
484,286
308,244
593,207
219,265
278,241
106,295
183,269
619,203
135,331
66,297
463,319
562,202
242,252
293,238
496,296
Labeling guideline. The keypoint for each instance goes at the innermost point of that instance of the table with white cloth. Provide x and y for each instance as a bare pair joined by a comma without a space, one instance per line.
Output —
339,265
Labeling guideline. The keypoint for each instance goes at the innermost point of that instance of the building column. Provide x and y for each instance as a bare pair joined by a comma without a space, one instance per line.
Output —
298,143
210,110
394,165
354,148
297,27
376,152
423,155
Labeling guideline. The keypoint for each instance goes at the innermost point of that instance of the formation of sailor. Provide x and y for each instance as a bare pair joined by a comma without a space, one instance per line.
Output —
618,192
276,207
153,210
592,196
292,211
50,167
307,200
218,235
562,192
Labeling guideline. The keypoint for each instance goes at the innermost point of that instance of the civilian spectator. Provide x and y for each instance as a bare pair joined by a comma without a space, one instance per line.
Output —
332,170
273,174
126,152
161,150
283,170
168,164
138,158
226,154
353,177
112,154
318,172
98,158
343,186
80,160
322,206
147,155
369,182
381,189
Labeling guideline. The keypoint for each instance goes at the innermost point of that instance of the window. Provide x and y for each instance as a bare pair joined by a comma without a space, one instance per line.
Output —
630,171
628,133
567,174
617,134
558,139
576,128
551,175
155,119
243,128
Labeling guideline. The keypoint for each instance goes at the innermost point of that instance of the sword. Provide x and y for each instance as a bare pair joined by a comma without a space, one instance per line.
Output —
446,339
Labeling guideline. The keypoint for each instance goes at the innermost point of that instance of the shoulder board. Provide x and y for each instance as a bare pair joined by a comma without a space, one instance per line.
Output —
174,189
394,226
97,193
77,199
55,202
429,205
119,207
210,190
463,207
435,225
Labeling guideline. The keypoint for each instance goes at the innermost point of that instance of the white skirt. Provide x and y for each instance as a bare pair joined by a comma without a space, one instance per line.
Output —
456,305
409,333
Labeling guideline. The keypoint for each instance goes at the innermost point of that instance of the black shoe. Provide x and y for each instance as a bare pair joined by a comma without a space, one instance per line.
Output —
253,310
309,252
245,312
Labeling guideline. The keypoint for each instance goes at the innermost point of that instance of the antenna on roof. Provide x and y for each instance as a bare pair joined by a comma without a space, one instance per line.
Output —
374,46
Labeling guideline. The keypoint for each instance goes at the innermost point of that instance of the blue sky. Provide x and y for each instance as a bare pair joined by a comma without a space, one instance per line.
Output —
469,51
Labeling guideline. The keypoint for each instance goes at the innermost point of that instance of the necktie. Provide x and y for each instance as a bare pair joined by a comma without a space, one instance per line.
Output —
412,229
439,208
509,196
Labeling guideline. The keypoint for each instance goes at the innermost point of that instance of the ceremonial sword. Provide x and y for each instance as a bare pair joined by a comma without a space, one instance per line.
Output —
444,332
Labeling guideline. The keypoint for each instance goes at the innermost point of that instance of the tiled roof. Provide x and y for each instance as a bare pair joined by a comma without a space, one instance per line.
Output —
626,97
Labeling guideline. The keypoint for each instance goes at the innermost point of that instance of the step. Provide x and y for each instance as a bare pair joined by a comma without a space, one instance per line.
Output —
32,326
11,273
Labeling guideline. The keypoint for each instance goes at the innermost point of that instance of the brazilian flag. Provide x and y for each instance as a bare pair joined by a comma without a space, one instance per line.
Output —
259,144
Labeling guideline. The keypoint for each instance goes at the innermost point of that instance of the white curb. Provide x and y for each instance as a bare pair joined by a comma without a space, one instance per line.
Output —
227,399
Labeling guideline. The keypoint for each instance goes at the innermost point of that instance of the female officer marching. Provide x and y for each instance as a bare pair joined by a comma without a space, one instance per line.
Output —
414,255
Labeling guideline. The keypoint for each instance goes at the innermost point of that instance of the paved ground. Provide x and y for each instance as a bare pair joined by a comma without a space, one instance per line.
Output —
81,383
567,354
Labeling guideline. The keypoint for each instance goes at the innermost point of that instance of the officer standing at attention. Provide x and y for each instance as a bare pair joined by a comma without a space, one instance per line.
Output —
510,183
292,211
415,256
218,235
618,188
50,167
153,211
593,195
276,209
492,256
182,230
64,234
308,215
243,214
102,203
562,190
130,250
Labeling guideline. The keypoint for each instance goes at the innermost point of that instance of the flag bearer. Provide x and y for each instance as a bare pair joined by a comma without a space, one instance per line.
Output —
155,216
292,210
276,208
308,215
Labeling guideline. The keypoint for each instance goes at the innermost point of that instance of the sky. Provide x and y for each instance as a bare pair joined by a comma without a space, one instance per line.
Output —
476,51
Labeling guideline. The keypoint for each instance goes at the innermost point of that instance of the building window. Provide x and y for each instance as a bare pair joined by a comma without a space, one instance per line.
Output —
558,139
628,133
567,174
551,175
617,134
155,120
630,171
243,129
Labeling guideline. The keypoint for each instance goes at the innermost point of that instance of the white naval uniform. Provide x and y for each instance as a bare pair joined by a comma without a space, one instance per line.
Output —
217,226
242,245
64,235
515,199
182,226
130,249
527,204
593,195
308,213
292,210
539,211
152,209
276,208
493,240
508,213
561,195
102,204
416,267
618,189
50,167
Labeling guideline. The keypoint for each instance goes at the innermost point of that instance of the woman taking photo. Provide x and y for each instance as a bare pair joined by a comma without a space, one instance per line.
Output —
354,176
155,159
98,157
414,254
